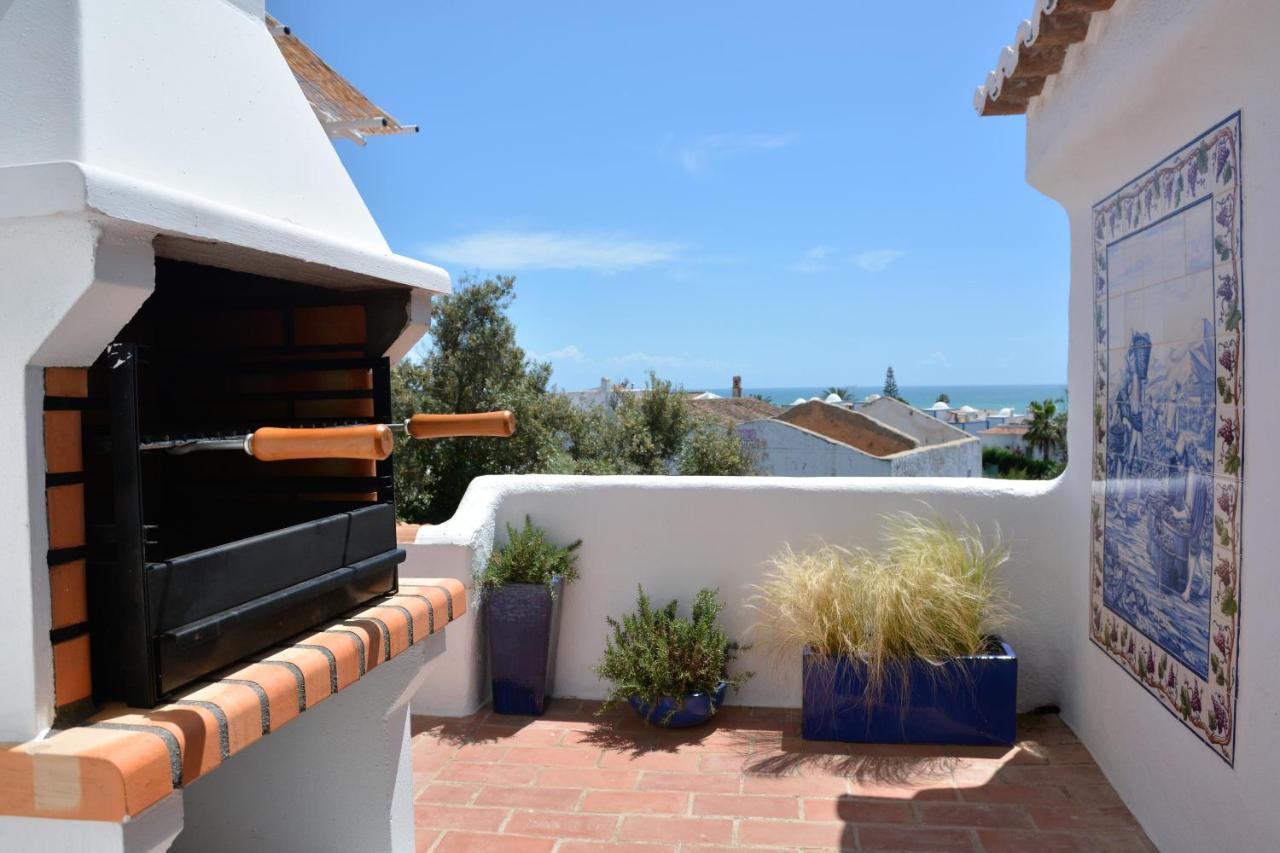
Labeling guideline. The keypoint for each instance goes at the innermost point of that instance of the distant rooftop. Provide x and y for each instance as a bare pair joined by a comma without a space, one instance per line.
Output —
731,411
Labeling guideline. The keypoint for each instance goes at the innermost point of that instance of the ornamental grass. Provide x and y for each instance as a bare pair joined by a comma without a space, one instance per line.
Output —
931,595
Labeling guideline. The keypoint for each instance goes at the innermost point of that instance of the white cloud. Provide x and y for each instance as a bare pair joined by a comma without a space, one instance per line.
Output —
939,358
696,156
569,353
814,260
548,250
877,260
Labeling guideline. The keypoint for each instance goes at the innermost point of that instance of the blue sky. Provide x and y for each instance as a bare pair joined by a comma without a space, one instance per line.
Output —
797,193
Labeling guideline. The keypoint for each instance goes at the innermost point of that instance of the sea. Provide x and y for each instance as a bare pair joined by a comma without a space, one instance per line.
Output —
989,397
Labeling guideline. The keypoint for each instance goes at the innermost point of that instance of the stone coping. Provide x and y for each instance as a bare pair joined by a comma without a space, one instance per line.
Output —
123,759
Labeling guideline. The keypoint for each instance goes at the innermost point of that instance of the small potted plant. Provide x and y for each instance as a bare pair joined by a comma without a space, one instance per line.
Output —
899,647
522,585
674,672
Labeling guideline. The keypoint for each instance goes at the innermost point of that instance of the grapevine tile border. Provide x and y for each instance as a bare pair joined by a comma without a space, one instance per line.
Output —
1208,166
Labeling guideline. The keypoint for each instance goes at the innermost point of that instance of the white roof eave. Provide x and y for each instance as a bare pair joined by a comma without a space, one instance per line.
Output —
194,228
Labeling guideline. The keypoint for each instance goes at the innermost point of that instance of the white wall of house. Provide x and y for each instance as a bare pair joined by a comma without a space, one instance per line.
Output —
922,426
786,450
961,458
1008,441
1149,78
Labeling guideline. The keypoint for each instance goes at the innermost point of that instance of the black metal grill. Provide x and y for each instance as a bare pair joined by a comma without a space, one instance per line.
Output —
195,561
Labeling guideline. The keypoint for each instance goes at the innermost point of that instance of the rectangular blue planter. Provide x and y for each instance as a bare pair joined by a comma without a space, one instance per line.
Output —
963,701
524,625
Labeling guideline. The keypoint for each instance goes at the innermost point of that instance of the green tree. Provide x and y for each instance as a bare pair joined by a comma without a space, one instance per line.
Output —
474,365
713,450
1046,429
891,384
654,425
842,393
943,398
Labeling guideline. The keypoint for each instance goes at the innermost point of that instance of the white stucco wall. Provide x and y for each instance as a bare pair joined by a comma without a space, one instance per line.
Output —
677,534
1005,440
786,450
961,458
922,426
1151,77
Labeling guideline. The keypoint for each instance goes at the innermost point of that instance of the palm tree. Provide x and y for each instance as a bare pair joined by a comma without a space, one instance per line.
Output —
842,393
1046,428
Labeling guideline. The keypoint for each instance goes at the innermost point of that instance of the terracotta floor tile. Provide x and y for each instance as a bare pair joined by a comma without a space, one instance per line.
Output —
439,816
794,833
562,825
669,761
1039,795
584,784
478,842
915,838
552,756
677,830
657,780
816,786
1084,818
1021,841
613,847
497,773
588,777
529,797
853,810
445,792
736,805
974,814
636,802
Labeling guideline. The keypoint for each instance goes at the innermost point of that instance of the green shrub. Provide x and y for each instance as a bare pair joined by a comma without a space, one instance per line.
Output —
529,558
654,653
1000,462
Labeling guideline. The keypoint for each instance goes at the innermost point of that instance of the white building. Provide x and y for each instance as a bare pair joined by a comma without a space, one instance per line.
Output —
820,439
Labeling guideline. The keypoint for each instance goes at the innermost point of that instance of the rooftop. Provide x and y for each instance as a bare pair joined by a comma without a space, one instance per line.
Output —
1038,52
731,411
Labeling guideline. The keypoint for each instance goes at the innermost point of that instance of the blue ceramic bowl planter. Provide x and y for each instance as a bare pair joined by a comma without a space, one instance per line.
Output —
524,626
963,701
698,708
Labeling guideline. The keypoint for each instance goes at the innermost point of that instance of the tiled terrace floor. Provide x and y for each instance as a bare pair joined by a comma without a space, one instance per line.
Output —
571,782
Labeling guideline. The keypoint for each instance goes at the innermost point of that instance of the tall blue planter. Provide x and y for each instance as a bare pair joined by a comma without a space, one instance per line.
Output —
524,625
963,701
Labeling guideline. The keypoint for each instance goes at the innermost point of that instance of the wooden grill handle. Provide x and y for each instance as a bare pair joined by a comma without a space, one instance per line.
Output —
501,424
276,444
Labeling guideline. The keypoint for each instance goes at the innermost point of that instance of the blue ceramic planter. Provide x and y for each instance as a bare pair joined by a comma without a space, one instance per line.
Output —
969,701
698,708
524,625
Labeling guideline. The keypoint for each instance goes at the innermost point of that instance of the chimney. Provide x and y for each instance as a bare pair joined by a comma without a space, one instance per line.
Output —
737,386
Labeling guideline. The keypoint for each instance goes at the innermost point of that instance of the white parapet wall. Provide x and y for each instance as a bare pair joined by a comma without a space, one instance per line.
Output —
674,535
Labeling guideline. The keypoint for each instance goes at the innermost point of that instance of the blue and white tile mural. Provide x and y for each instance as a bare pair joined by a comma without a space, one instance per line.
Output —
1167,431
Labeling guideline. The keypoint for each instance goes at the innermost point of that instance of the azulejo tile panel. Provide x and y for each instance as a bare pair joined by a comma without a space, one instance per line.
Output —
1168,416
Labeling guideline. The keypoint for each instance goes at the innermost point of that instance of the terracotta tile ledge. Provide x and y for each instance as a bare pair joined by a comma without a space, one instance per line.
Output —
124,759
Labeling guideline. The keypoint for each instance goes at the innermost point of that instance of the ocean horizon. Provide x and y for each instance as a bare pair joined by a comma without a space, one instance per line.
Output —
993,397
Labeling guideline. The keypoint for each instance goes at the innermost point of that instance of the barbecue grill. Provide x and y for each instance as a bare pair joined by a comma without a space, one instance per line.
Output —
197,559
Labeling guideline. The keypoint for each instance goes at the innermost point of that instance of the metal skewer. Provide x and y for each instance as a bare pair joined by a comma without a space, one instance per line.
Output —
364,441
